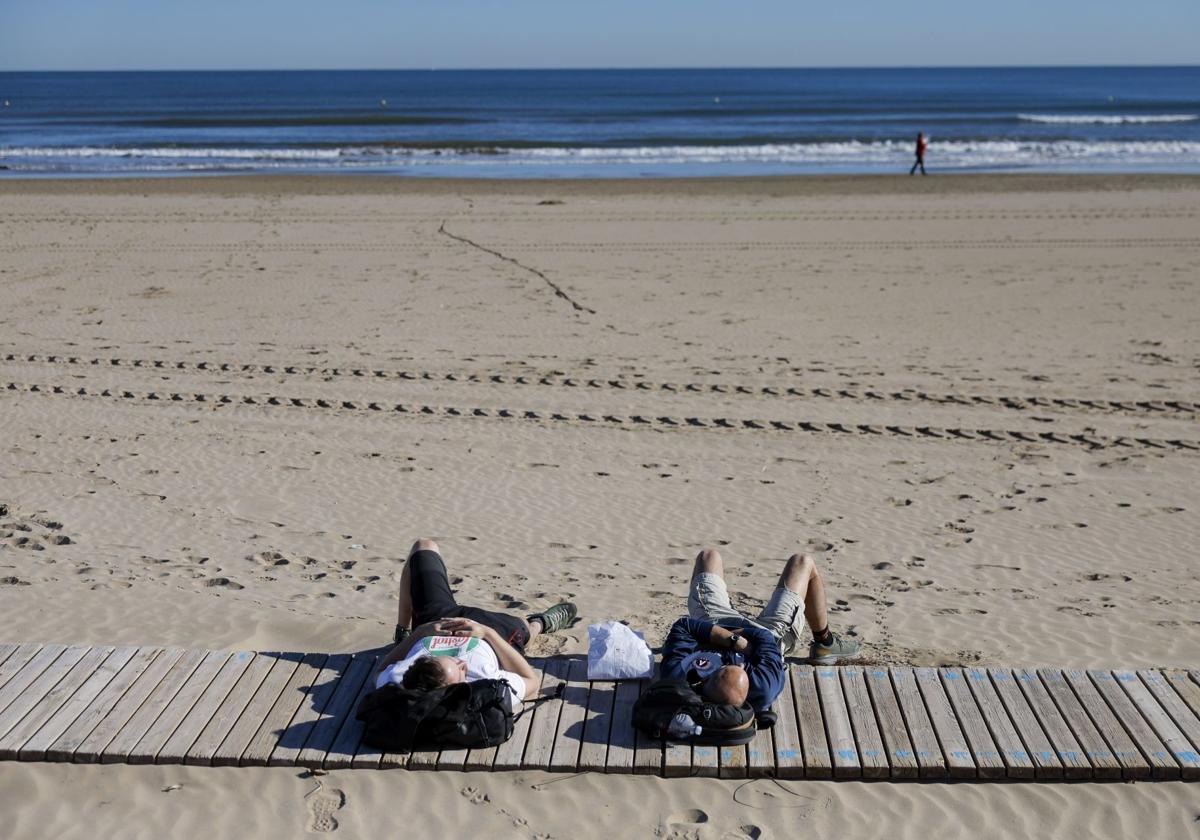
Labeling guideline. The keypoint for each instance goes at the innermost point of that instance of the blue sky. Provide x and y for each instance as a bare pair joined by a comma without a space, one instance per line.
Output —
281,34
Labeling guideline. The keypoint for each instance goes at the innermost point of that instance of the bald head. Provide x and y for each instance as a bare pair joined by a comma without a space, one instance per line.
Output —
728,685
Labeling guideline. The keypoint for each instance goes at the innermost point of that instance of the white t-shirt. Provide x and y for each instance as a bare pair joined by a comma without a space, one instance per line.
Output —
481,660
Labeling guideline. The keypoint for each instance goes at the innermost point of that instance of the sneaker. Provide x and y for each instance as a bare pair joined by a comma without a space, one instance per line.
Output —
837,649
555,618
401,634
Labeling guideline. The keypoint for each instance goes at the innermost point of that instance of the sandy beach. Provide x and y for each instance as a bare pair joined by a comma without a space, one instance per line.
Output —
958,393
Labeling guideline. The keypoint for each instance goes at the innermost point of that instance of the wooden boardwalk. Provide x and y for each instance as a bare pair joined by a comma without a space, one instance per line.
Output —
143,705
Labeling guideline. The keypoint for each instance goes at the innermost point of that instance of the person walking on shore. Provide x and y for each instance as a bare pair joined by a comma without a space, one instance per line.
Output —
920,161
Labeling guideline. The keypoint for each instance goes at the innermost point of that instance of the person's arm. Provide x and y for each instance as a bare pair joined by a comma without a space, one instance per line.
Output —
764,667
402,650
684,638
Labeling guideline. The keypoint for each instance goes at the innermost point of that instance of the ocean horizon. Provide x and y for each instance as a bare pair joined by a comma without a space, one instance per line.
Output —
599,123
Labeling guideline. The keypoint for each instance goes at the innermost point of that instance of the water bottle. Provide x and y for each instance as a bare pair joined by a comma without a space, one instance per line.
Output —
682,726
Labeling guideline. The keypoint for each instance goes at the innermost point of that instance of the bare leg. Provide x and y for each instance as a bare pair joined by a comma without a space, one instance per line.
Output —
709,561
405,615
800,575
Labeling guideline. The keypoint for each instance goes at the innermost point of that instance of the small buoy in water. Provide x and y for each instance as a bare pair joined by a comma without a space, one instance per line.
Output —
5,103
382,103
717,99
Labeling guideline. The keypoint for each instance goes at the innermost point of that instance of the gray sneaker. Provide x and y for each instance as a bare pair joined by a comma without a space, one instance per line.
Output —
555,618
837,649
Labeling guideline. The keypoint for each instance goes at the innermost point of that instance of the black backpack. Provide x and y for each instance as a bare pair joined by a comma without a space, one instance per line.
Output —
466,715
720,724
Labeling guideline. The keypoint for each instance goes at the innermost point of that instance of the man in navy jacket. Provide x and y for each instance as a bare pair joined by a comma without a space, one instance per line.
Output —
737,659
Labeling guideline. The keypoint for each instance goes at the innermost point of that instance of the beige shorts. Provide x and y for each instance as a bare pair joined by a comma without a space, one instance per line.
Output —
783,615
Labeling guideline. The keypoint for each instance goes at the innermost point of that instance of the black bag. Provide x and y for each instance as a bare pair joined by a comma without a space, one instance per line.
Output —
720,724
466,715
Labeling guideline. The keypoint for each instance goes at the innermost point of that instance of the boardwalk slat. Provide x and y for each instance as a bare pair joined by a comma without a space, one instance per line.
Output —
569,738
276,721
1025,748
335,711
959,761
322,690
1162,765
706,761
61,720
1105,765
760,753
45,703
176,709
786,759
14,659
6,650
597,725
229,753
677,759
509,753
178,746
1074,762
733,761
648,755
29,671
892,728
1186,723
345,744
988,761
622,740
87,737
539,743
422,760
223,719
1176,742
1188,689
121,742
875,757
843,750
817,762
928,751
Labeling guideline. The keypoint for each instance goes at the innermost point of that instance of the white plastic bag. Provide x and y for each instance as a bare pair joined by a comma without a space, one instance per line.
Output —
617,653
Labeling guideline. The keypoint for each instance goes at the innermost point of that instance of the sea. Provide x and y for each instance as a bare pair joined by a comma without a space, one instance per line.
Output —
600,123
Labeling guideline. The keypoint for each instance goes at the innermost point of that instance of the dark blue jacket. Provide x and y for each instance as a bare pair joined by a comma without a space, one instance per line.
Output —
763,661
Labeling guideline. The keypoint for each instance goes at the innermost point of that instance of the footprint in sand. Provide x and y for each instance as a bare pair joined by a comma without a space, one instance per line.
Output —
322,805
474,795
684,825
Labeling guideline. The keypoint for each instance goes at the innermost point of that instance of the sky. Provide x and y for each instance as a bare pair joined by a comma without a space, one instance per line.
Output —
421,34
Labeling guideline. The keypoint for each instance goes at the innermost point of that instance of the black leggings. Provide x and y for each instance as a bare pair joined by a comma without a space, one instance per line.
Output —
433,600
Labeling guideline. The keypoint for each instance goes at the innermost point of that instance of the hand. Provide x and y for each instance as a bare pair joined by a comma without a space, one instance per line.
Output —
743,644
461,627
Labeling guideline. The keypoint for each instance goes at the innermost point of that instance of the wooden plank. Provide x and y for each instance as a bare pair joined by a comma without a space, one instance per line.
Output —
648,754
335,712
622,739
817,762
276,721
175,710
1187,689
733,762
112,709
959,761
6,650
122,742
1162,765
176,748
226,716
900,752
875,757
1009,717
33,668
597,724
17,659
760,753
988,761
931,762
422,760
786,759
706,761
36,747
345,745
677,759
229,753
1105,764
38,688
539,743
846,761
567,740
50,701
294,736
1074,762
1175,741
1186,749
